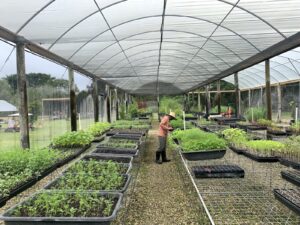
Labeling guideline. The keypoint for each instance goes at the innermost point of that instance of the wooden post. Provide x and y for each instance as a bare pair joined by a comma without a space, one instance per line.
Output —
126,103
237,95
73,109
249,98
108,110
268,90
157,100
219,95
207,101
22,94
279,103
96,100
199,102
117,104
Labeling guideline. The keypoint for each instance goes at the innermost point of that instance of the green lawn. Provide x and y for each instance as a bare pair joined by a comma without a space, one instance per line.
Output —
42,134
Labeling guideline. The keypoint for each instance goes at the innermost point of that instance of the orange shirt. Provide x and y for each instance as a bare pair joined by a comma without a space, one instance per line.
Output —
164,127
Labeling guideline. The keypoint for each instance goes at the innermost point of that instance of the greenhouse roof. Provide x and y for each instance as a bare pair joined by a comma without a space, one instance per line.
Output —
157,46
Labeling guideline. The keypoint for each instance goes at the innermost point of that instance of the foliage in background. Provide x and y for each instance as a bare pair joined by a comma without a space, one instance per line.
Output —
122,112
258,113
174,103
264,122
223,109
178,124
133,110
235,136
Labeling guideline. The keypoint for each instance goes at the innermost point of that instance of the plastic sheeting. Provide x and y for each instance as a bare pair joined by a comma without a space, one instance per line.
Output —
120,41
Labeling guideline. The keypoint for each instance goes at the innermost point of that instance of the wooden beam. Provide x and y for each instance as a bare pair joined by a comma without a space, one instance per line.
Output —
219,96
108,104
274,50
221,91
73,107
96,100
117,104
22,94
237,99
268,90
199,102
279,103
12,37
249,98
207,100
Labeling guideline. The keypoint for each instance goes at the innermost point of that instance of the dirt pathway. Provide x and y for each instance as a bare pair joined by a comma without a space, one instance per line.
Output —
160,196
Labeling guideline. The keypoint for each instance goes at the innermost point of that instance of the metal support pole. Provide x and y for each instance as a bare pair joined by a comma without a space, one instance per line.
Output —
22,94
219,95
249,98
96,100
279,105
73,109
268,90
237,95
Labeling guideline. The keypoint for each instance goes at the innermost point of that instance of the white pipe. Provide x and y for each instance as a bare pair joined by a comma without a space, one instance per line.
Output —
197,190
183,115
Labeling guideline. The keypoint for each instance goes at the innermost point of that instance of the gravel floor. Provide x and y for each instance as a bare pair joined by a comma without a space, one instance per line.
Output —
160,195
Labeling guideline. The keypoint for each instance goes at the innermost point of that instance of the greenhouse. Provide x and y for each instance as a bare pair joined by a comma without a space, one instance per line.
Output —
150,112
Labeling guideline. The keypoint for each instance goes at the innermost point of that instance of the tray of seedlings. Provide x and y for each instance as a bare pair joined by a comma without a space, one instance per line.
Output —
292,176
290,163
129,136
98,129
218,171
124,164
21,169
72,208
118,146
196,144
263,150
290,155
289,197
237,150
108,157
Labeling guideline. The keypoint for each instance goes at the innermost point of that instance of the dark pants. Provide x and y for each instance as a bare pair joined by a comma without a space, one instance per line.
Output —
161,151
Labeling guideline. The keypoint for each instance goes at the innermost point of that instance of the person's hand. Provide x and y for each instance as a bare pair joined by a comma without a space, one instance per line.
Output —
171,129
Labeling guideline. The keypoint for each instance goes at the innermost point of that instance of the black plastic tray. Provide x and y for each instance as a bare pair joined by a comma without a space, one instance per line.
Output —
256,127
237,150
12,220
204,155
114,158
127,136
119,151
98,139
289,197
218,171
121,189
292,176
290,163
276,133
257,158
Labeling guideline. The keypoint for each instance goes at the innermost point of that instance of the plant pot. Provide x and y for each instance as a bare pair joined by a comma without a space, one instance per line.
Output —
13,220
218,171
290,163
204,155
237,150
289,197
123,188
258,158
292,176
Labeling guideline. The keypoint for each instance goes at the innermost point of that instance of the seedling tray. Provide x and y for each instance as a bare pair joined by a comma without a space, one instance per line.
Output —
98,139
256,127
176,141
237,150
258,158
127,136
292,176
204,155
290,163
119,151
276,133
191,118
289,197
12,220
123,188
3,201
75,155
218,171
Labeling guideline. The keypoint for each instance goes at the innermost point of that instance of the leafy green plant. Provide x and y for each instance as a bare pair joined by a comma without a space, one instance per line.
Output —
72,139
64,204
197,140
265,147
257,112
205,122
18,165
97,129
235,136
295,128
264,122
168,104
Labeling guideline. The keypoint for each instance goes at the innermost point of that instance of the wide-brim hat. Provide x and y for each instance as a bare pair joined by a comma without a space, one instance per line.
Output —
172,114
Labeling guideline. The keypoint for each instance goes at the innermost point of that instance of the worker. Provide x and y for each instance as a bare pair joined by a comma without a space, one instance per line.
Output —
164,128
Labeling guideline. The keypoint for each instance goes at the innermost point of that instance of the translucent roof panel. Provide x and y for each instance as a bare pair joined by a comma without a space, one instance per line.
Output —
144,46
